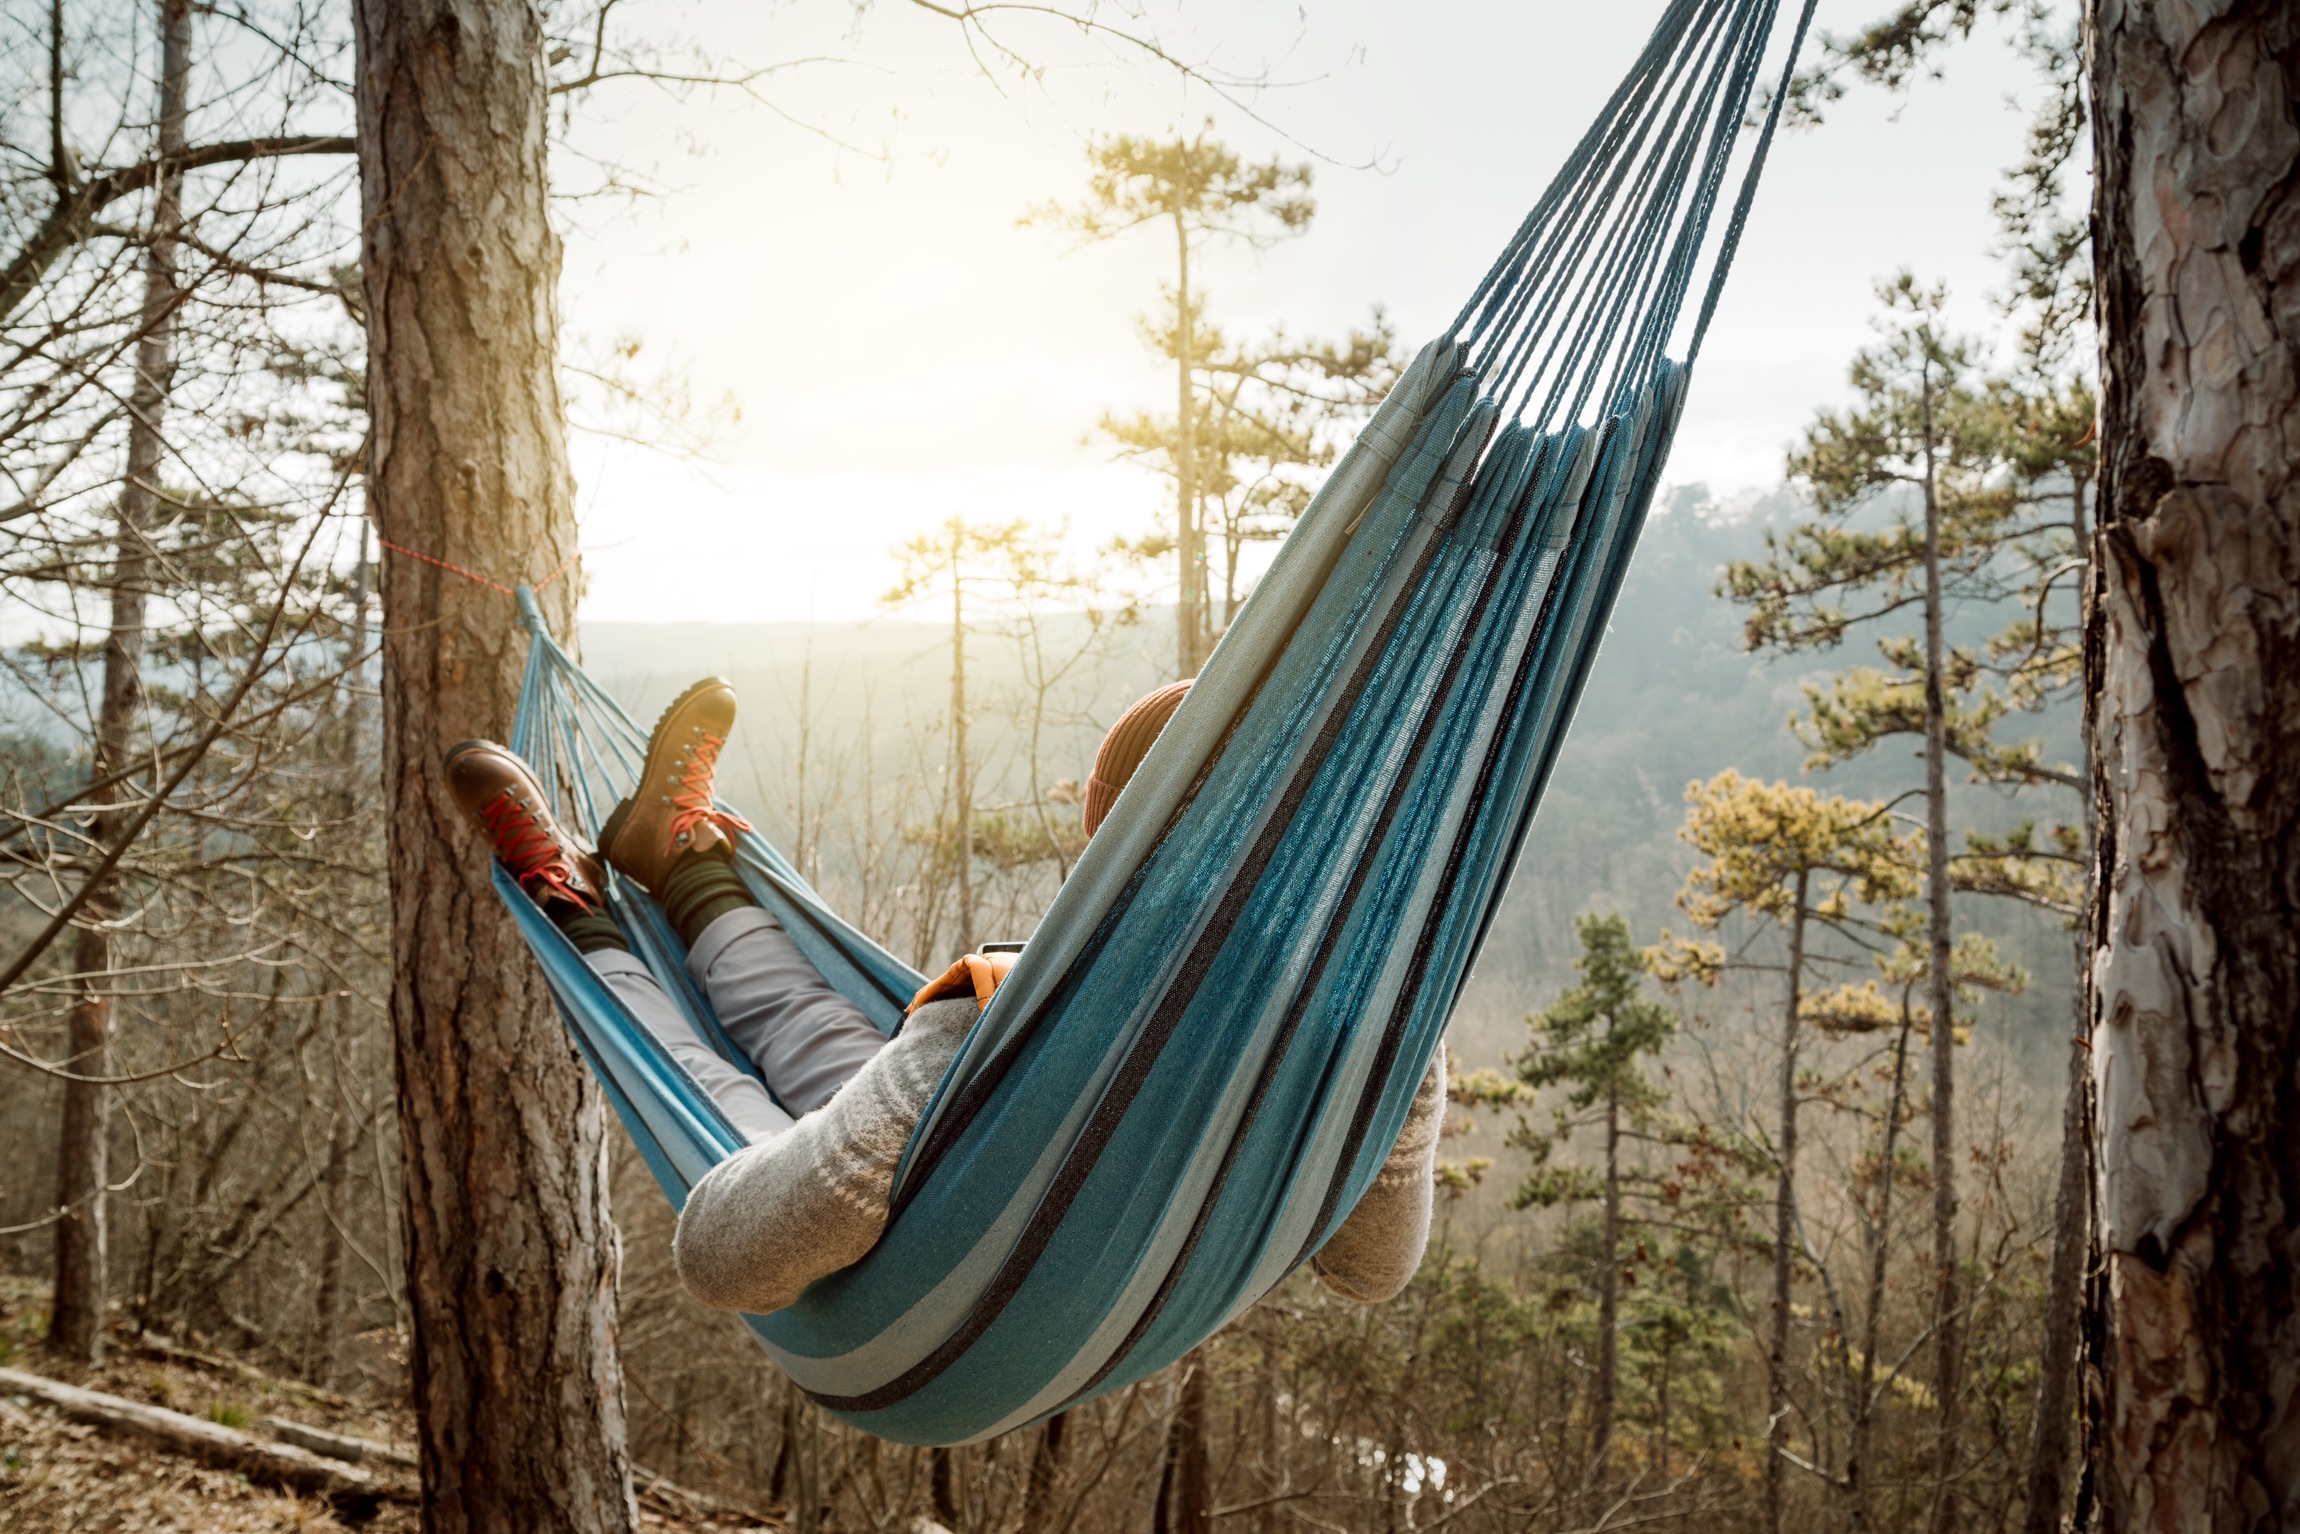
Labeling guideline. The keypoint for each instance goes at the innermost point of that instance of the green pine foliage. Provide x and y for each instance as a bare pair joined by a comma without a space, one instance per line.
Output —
1595,1041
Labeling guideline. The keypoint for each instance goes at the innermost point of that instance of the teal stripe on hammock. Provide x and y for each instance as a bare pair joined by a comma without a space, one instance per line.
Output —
1123,1208
1169,903
1276,1168
1402,887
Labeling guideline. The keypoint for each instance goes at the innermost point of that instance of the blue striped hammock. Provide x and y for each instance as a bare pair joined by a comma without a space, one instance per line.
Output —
1210,1043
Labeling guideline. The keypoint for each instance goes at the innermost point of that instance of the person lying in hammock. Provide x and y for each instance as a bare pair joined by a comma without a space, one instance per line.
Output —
809,1195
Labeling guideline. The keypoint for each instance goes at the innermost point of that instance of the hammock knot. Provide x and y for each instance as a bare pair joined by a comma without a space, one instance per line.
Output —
531,612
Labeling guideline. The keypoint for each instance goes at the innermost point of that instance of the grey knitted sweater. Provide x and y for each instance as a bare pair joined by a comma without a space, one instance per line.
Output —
771,1219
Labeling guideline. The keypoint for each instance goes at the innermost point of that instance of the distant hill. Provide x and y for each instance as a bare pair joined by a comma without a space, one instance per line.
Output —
1672,698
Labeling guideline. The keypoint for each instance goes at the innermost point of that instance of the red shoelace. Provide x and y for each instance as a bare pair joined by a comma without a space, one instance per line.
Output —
535,857
691,803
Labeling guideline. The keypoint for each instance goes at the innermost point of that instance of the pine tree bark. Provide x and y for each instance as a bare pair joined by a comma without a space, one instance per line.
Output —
1940,990
1608,1302
942,1488
1192,1509
511,1252
1859,1473
1784,1228
961,763
83,1150
2048,1455
1189,550
2192,652
1045,1474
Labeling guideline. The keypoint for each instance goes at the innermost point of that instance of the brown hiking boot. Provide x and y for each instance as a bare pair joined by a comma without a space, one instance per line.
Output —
671,812
501,796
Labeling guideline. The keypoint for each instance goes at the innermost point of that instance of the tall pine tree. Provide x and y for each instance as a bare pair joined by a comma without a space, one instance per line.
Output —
1594,1040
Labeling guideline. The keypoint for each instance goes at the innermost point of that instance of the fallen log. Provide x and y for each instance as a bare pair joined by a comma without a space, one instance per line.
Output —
342,1446
309,1459
211,1443
153,1345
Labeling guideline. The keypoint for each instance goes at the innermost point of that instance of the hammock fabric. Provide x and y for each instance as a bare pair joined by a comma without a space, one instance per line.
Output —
1124,1156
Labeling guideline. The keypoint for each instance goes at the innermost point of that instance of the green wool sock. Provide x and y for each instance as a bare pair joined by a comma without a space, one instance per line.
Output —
589,931
701,888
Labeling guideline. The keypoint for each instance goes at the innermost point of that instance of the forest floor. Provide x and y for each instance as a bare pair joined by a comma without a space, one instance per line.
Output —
59,1476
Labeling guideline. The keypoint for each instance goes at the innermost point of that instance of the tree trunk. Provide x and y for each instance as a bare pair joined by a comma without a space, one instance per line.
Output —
1941,994
1784,1229
1857,1467
942,1488
2192,654
1661,1410
511,1252
343,1131
83,1151
961,776
2072,1206
1191,1510
1608,1299
1045,1474
1189,554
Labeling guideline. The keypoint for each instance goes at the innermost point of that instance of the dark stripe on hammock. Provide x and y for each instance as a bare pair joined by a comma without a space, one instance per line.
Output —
1110,1112
978,1091
1393,1033
1329,944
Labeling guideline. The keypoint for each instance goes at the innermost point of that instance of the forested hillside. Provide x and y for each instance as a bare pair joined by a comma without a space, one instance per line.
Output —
1675,697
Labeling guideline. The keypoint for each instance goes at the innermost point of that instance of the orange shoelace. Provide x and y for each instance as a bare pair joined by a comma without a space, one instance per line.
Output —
691,802
534,856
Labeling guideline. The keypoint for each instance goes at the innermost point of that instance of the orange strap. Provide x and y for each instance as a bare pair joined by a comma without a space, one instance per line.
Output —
976,975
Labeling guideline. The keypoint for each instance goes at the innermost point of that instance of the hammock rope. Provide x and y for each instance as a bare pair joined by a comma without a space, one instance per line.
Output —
1208,1047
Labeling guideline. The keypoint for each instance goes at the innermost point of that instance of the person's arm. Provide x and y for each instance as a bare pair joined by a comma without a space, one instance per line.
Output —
1379,1247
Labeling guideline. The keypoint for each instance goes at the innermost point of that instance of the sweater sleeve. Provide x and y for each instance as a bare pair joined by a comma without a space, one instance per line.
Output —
1379,1247
770,1220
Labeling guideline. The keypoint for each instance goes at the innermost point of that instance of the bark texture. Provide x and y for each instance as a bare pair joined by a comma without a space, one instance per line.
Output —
1189,538
1187,1498
2056,1393
1608,1303
2193,668
1940,987
511,1252
2048,1460
1784,1227
1045,1472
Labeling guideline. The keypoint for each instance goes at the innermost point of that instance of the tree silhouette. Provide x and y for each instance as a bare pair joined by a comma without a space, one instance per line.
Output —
1202,190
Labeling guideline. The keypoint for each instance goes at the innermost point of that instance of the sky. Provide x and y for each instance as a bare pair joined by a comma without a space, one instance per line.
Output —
838,256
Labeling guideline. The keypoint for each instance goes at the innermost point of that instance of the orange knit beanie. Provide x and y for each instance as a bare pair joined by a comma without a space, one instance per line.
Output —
1124,747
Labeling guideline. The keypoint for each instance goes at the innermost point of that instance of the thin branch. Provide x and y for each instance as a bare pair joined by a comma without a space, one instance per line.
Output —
69,222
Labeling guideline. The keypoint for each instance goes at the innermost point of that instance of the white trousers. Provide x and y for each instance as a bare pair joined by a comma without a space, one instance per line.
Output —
805,1038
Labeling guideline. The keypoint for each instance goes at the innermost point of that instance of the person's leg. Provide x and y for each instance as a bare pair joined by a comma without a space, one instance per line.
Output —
741,1098
675,842
509,807
806,1038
